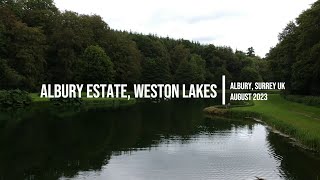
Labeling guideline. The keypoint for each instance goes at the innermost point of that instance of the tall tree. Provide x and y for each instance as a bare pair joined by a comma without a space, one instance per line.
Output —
97,66
295,59
125,56
155,70
250,52
179,54
24,48
37,13
191,71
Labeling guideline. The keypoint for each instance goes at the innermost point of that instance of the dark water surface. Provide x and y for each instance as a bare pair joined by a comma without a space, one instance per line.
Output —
170,140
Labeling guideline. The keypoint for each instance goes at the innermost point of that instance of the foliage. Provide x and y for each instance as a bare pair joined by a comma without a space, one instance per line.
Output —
307,100
178,54
191,71
125,56
24,49
9,78
250,52
296,58
97,66
40,44
155,70
249,74
14,98
185,73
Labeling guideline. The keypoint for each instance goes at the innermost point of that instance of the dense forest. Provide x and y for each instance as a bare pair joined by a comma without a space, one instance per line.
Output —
40,44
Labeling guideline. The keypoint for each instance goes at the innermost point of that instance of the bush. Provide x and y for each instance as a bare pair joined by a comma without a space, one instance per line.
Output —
14,98
307,100
214,110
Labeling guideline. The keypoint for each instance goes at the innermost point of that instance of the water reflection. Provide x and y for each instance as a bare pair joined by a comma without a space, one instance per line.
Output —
167,141
294,162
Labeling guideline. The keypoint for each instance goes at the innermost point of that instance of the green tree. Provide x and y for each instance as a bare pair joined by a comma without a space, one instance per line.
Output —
250,52
9,78
295,59
125,56
264,70
65,53
185,73
24,48
38,43
97,66
37,13
191,71
155,70
179,54
250,74
199,67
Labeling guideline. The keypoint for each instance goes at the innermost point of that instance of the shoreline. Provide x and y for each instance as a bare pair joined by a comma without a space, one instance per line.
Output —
291,139
298,122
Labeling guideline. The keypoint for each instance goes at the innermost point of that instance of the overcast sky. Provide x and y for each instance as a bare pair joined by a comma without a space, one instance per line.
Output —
235,23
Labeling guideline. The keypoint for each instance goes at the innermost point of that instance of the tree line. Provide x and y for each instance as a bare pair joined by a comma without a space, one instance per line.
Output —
41,44
296,58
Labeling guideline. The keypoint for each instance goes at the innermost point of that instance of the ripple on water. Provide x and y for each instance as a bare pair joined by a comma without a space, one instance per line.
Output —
238,153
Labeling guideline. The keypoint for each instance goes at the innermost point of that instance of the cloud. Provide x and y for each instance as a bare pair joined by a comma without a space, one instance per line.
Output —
160,17
234,23
206,39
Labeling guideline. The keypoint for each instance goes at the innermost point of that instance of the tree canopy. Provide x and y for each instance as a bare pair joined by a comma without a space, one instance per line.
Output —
296,58
40,44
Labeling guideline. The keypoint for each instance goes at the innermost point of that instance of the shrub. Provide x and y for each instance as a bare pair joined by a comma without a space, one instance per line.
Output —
14,98
215,111
307,100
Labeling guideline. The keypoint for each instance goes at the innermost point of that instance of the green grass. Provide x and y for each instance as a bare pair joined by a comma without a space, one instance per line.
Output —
300,121
36,98
105,102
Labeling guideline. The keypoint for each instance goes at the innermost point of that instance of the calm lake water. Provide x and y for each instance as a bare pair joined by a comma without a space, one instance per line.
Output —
169,140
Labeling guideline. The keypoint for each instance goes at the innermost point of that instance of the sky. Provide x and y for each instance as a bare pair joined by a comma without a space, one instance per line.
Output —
234,23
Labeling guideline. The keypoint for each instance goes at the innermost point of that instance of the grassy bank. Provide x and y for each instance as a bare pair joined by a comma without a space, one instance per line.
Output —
103,102
300,121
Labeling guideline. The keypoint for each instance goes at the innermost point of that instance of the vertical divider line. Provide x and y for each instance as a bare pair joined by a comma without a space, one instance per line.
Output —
223,90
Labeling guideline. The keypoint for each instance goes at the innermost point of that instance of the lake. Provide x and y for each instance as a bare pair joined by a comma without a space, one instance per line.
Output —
167,140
